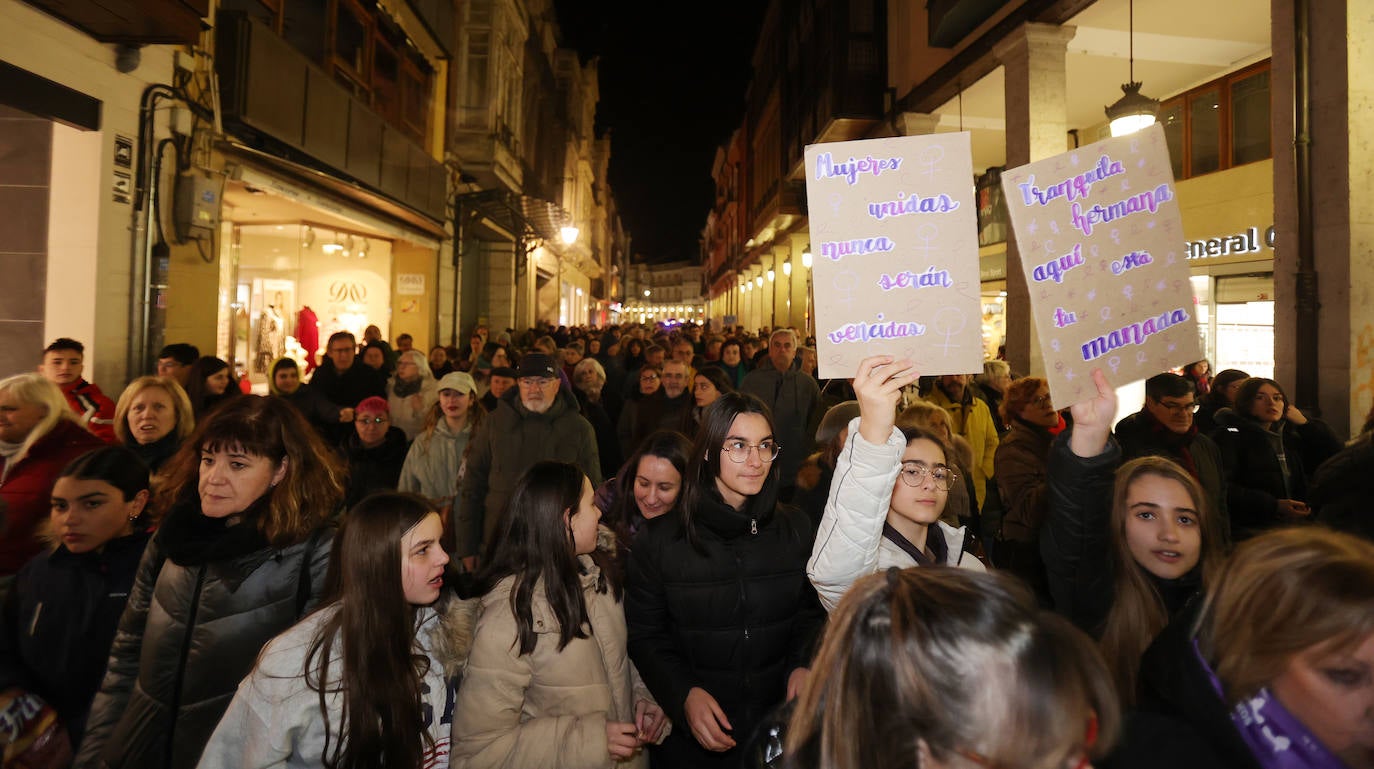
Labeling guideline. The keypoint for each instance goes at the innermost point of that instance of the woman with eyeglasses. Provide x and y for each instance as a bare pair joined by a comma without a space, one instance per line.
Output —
1269,450
375,450
721,616
891,487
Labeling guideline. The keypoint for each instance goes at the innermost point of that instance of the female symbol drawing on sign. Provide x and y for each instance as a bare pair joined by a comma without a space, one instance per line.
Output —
930,157
927,233
948,321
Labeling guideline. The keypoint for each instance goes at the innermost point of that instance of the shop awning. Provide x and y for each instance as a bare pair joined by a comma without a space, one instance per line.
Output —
330,193
520,216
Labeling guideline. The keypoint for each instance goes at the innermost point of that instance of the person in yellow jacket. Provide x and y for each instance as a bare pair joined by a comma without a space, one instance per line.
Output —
969,417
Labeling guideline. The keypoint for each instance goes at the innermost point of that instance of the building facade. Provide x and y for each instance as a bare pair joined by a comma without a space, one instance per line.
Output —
1277,254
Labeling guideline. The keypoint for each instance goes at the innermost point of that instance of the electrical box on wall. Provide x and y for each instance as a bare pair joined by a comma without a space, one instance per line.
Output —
198,201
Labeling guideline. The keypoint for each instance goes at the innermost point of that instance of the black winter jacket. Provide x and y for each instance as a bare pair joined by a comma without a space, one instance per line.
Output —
59,620
192,630
1255,481
1180,722
1342,488
374,469
1075,540
735,618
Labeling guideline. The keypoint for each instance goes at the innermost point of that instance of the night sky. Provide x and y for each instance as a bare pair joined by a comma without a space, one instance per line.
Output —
673,78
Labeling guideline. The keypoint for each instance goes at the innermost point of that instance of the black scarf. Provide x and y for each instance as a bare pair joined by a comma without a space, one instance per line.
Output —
191,538
404,389
155,453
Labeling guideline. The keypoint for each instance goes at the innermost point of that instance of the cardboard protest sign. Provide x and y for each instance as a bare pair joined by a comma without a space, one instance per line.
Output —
894,234
1101,242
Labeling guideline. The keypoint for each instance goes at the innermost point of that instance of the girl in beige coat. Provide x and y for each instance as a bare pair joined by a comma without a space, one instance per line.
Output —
548,682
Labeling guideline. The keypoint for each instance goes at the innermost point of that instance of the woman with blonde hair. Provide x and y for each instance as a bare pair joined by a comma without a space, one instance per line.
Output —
941,667
39,435
152,418
1278,671
1128,548
239,556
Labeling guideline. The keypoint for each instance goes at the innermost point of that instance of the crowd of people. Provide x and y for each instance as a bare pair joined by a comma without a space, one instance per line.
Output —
666,546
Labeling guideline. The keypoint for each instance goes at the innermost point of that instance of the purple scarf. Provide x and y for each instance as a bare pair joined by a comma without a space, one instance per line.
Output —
1276,738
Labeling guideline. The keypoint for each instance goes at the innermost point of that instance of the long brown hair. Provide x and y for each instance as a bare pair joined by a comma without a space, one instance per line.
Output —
1138,613
953,661
382,667
535,545
308,495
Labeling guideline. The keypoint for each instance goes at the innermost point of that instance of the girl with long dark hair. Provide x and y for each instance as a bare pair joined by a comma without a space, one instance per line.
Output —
721,615
548,681
648,485
361,682
1127,548
61,615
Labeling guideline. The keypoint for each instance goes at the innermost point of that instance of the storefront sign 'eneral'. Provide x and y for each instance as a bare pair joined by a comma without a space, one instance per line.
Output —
1247,242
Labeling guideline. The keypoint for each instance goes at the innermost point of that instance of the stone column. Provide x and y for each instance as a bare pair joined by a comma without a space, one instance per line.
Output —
1341,226
1037,127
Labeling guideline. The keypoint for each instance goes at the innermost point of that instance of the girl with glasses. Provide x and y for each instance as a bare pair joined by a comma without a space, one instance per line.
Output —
721,616
891,487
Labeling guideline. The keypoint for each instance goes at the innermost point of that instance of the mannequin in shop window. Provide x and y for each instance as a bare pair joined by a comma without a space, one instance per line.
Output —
308,334
271,335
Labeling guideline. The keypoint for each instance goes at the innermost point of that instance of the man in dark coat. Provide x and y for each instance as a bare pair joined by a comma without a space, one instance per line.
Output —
1165,428
538,420
795,400
345,381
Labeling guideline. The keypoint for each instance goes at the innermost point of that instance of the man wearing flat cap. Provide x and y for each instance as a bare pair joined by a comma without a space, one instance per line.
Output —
536,420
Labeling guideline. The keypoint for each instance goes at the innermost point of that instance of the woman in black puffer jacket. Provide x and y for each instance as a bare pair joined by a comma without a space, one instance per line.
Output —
240,555
721,616
1269,450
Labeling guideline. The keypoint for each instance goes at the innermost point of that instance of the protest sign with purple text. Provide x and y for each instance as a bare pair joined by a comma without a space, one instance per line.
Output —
894,237
1101,243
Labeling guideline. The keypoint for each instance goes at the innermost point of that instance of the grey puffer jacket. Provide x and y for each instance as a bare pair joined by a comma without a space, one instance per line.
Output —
190,632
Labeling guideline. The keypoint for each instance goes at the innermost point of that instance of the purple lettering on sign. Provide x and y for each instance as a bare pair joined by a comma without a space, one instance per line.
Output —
1131,261
1073,187
837,249
863,332
1149,201
931,278
1054,269
1133,333
827,168
912,204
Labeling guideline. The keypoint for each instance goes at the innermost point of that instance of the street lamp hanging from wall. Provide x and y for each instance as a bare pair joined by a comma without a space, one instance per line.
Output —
1133,111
